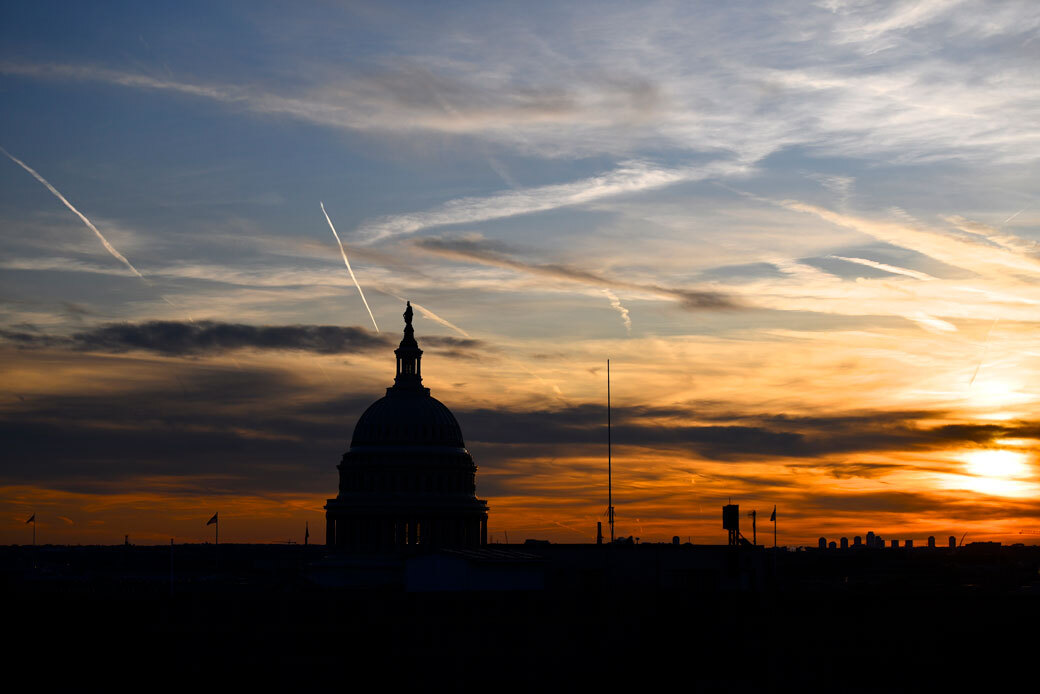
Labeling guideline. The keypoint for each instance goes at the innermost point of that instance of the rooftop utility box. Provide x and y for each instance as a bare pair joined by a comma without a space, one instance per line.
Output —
731,517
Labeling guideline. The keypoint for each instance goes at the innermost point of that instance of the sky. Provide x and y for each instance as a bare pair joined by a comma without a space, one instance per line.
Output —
804,234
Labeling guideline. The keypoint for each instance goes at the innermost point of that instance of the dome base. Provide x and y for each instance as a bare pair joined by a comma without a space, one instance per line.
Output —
374,525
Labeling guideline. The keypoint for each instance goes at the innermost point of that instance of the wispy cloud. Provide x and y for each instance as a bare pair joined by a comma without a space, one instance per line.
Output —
931,322
630,177
615,303
896,17
841,186
93,73
676,77
994,235
961,252
479,251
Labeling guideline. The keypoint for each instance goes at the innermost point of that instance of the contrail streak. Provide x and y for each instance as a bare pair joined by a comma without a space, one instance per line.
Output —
108,247
454,112
1016,214
434,317
985,345
448,324
985,349
346,262
629,178
430,314
885,267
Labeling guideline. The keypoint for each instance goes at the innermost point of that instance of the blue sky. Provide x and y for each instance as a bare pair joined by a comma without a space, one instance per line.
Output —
735,192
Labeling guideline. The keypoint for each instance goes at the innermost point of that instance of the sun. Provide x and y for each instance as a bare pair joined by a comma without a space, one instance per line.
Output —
998,471
996,463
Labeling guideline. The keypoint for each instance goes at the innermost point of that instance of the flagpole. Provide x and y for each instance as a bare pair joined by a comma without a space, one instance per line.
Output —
33,519
774,541
610,481
215,522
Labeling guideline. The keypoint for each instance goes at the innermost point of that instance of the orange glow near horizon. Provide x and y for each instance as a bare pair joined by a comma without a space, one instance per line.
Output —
709,439
999,472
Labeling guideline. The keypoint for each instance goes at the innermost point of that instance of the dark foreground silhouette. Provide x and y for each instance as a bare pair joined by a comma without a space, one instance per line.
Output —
657,617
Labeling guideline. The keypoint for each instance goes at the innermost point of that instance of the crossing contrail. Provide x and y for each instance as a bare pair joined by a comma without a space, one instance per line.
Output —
429,314
985,349
346,262
1015,215
448,324
108,247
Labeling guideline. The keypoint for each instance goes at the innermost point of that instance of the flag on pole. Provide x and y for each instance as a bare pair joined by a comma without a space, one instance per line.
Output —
771,517
212,520
32,519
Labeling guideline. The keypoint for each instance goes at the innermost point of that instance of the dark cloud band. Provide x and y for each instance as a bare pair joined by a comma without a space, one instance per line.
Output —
177,338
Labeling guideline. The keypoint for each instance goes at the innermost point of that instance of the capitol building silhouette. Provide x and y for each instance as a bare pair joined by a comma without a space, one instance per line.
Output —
407,479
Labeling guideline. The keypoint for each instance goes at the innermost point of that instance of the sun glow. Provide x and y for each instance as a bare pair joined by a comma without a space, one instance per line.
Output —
997,471
996,463
996,393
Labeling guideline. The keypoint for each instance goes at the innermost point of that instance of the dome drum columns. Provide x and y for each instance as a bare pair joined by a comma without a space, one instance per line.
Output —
371,533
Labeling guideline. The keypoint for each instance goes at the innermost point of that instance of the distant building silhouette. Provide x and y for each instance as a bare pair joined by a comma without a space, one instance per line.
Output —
870,538
832,545
823,543
844,543
952,542
895,543
908,543
857,541
407,478
931,541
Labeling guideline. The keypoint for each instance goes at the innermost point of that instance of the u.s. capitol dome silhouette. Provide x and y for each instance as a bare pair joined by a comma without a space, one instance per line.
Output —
407,479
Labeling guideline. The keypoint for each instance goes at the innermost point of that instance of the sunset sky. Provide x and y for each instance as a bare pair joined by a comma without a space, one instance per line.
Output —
805,235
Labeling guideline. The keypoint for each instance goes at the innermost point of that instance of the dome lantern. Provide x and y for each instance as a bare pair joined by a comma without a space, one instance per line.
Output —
409,356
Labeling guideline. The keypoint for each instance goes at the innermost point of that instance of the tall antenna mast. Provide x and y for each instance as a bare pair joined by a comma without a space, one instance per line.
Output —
610,481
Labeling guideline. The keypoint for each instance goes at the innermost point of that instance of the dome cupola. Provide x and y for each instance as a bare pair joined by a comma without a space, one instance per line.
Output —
407,415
